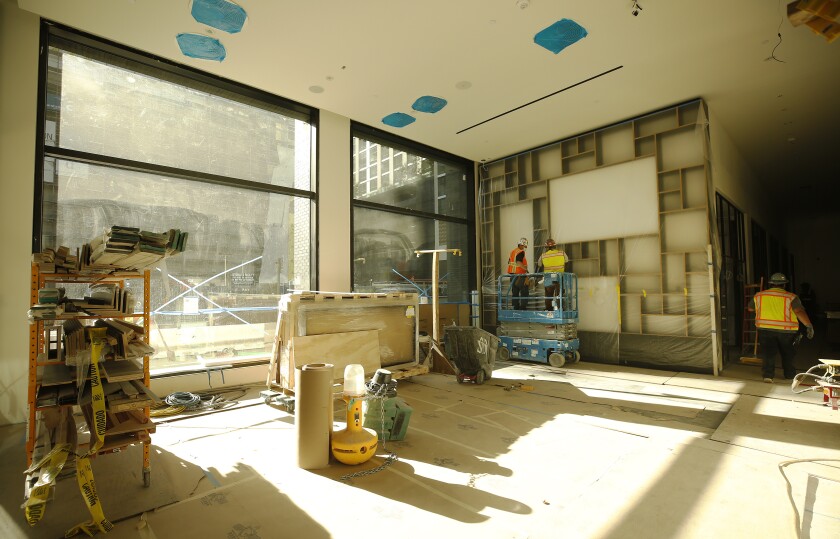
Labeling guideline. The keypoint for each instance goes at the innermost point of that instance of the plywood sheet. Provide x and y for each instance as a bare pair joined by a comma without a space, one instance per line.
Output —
395,326
340,349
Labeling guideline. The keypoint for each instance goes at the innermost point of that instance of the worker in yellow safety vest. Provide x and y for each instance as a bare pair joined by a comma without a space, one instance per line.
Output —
553,260
777,316
518,264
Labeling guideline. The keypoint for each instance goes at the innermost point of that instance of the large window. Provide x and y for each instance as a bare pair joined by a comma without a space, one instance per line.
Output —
407,198
134,141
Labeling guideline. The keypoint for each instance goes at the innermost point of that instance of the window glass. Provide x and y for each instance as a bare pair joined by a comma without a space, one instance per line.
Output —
384,259
220,296
104,105
246,246
386,175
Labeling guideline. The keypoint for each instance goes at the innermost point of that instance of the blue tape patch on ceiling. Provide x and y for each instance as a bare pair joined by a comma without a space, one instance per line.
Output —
221,14
398,119
202,47
560,35
429,104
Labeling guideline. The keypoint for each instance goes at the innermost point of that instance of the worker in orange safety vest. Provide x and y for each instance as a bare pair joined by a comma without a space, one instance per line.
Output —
777,316
518,263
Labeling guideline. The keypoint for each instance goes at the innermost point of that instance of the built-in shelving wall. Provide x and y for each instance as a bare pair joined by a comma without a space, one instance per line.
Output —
662,277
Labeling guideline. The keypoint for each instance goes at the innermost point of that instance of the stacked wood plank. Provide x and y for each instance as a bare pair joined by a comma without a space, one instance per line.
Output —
373,330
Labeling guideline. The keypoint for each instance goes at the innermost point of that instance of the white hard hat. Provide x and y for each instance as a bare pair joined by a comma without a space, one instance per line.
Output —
523,242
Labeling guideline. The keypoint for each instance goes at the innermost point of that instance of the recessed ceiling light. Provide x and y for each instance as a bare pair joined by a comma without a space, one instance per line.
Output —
464,85
316,89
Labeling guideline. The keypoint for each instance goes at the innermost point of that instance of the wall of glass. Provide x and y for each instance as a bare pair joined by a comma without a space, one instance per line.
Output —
131,140
406,199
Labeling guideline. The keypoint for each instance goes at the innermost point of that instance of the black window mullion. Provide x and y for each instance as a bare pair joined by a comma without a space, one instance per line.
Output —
409,211
172,172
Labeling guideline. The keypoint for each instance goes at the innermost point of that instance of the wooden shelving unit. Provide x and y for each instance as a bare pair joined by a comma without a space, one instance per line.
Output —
129,422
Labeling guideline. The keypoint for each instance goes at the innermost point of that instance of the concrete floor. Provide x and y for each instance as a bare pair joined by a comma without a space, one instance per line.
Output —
536,452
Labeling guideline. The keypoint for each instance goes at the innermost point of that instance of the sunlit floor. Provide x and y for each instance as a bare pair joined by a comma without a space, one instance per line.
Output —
584,451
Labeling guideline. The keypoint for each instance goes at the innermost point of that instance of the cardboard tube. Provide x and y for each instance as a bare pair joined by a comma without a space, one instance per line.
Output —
313,414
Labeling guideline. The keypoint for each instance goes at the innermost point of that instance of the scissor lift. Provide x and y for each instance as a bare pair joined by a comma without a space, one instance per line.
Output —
533,333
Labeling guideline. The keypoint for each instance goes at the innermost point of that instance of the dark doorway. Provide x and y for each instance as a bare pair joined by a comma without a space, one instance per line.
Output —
759,253
733,270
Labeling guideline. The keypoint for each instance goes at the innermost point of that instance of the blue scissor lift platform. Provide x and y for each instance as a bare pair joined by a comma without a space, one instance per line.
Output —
533,333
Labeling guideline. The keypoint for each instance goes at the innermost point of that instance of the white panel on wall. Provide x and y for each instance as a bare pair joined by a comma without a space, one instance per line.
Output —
684,231
517,222
550,162
642,284
682,148
610,202
664,325
615,144
695,193
673,267
598,304
631,318
641,255
699,326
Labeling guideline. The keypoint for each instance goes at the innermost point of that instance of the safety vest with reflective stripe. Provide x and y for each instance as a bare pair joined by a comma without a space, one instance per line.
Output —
554,260
514,266
773,310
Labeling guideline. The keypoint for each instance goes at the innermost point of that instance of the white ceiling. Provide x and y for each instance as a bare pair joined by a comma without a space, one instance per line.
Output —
375,57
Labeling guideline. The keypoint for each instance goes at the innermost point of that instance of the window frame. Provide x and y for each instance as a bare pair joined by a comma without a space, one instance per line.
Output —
366,132
53,34
50,31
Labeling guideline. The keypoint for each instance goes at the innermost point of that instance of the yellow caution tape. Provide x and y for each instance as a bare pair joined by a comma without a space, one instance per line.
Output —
84,476
55,459
97,336
37,502
84,473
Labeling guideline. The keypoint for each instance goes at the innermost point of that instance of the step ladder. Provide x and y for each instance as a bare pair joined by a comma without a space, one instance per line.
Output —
749,333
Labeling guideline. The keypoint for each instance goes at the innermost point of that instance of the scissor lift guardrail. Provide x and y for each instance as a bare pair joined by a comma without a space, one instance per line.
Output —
535,333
